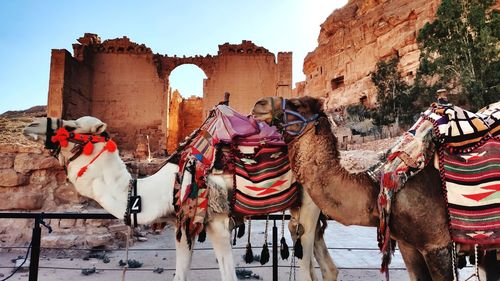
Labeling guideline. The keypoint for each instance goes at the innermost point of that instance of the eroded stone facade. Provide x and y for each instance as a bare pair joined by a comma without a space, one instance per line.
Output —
126,85
354,38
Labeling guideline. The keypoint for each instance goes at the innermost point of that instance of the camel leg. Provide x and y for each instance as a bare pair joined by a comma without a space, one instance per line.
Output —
219,235
415,262
329,270
308,218
183,257
438,262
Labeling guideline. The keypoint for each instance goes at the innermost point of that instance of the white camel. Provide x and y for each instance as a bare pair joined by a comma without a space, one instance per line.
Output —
106,180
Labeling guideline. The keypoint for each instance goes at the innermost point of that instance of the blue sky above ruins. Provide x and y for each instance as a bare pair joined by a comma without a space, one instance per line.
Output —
30,29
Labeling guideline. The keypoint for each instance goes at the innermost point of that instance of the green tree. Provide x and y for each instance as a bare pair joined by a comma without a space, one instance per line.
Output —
394,97
460,50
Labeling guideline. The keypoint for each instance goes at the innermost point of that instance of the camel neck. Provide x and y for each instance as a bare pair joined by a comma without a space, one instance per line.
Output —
348,198
107,182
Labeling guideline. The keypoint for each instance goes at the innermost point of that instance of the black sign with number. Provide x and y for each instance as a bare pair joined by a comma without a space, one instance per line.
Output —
135,204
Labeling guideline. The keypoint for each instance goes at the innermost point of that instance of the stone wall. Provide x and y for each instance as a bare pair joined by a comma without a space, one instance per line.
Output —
191,116
32,180
174,107
70,86
354,38
185,116
126,85
248,72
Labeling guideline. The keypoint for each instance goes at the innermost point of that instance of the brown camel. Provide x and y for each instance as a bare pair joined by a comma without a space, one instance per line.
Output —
419,218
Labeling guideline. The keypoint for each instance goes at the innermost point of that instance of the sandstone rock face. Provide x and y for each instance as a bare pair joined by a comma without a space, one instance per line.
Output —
354,38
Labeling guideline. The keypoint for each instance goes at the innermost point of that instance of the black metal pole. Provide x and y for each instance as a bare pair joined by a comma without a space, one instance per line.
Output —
275,252
35,249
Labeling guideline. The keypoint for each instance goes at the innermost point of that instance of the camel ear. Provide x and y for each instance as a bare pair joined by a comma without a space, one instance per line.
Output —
99,128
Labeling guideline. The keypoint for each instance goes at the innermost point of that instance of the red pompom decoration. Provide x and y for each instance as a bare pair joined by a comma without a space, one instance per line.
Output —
61,137
88,148
111,146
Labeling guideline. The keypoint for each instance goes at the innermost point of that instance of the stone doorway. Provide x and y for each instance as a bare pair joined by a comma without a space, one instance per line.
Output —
185,103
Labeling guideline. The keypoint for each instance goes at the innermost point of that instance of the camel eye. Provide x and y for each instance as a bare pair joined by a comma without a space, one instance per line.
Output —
33,125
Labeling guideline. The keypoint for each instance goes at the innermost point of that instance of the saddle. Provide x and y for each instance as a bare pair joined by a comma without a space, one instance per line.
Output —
251,151
466,149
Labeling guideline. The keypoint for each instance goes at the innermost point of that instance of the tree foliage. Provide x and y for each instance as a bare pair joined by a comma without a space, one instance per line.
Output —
394,97
460,50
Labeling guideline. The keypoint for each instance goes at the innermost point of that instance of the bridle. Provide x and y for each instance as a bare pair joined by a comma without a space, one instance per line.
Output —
302,121
84,143
49,133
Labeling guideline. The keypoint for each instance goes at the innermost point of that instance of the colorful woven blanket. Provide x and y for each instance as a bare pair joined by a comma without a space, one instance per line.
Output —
473,191
454,130
268,167
264,182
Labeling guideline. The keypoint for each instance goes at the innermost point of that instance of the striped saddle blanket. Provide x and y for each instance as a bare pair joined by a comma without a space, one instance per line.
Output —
470,165
473,189
264,181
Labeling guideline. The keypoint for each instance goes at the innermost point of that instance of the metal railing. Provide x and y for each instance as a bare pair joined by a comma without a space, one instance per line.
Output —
39,221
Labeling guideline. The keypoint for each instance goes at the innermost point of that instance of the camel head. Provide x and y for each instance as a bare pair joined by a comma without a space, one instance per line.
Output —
37,130
289,115
41,127
60,136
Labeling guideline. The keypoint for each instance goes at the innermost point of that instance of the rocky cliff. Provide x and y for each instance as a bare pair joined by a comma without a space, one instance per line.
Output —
354,38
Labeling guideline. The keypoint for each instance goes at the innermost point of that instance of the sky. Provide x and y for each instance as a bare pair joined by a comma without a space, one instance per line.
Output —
29,29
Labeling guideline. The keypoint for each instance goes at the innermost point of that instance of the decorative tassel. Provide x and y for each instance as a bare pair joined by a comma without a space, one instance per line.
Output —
264,255
202,236
111,146
249,254
241,230
297,249
285,253
88,148
234,238
82,171
462,262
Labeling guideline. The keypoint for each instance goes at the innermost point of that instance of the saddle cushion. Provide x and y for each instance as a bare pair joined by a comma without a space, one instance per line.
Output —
462,129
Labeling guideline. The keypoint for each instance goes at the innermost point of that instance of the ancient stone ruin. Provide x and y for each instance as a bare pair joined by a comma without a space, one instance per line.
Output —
127,86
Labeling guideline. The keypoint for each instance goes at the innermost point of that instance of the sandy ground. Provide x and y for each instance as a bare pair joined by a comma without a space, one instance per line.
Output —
354,252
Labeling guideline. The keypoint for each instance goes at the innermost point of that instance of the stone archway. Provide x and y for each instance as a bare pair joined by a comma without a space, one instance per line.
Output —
126,85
